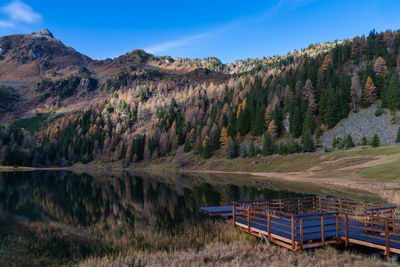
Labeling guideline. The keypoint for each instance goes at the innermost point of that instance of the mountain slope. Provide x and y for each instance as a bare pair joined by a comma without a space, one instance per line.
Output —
141,107
27,57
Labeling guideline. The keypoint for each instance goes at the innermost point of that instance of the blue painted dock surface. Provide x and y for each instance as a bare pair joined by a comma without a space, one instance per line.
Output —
223,211
315,221
310,229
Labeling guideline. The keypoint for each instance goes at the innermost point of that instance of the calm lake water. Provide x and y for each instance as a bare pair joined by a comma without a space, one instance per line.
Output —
60,217
81,199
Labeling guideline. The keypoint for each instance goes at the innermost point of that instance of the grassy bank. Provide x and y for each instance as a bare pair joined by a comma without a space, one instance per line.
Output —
210,243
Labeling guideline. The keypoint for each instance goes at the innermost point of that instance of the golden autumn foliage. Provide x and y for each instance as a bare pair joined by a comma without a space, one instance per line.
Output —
380,67
273,130
223,137
370,94
268,115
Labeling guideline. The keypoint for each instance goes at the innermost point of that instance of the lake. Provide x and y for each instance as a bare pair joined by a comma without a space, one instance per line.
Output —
62,217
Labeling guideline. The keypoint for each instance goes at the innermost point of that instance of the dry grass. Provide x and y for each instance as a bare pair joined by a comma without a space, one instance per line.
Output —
237,253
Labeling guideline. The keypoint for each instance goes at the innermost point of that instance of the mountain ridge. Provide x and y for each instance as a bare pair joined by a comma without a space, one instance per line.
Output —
140,107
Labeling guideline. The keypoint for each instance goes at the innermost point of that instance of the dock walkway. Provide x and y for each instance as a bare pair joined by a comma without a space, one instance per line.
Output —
301,223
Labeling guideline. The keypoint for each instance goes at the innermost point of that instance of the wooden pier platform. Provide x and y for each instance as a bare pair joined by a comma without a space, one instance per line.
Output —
301,223
222,211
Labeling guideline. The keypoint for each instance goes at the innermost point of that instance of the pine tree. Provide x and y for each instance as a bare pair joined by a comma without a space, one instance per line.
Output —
393,93
364,141
229,147
375,141
224,136
268,146
398,136
348,142
318,133
308,124
205,148
307,142
252,151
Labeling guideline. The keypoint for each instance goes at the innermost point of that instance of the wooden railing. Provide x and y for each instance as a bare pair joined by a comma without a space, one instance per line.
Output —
319,220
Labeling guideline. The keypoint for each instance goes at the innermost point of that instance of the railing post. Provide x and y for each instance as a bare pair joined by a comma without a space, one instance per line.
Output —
248,218
292,232
346,229
387,252
337,228
322,230
299,206
320,208
233,215
301,233
313,204
269,226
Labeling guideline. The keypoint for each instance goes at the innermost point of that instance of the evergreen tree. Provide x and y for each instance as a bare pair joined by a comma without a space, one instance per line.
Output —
205,148
307,142
229,147
308,124
283,149
187,147
398,136
232,125
318,133
393,92
252,151
268,146
375,141
364,141
348,142
236,149
244,153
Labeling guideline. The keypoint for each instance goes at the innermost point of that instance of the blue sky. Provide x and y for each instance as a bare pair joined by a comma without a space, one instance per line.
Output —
228,30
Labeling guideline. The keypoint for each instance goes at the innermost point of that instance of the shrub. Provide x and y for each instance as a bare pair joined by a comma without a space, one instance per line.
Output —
364,141
379,112
375,141
348,143
398,136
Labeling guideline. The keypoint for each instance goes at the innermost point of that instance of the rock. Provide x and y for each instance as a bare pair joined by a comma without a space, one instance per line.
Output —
253,162
45,33
361,124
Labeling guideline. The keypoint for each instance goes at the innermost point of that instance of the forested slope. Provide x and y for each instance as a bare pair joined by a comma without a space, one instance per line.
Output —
281,105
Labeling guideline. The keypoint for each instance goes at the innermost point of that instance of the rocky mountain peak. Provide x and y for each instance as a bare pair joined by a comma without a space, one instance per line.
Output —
45,33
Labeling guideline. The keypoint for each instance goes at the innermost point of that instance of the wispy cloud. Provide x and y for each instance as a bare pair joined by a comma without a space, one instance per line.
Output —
279,7
17,13
166,46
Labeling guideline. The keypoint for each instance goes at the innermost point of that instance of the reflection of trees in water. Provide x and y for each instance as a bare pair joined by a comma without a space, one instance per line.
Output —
82,199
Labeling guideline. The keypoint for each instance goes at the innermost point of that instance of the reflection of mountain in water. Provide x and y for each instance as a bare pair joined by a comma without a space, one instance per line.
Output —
84,200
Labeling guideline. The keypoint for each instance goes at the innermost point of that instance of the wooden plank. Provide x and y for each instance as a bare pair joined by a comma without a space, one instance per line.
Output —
337,229
346,230
301,234
248,219
292,232
269,225
387,250
233,214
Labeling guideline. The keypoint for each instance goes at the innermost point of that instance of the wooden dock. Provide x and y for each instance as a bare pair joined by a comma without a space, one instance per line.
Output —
302,223
222,211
